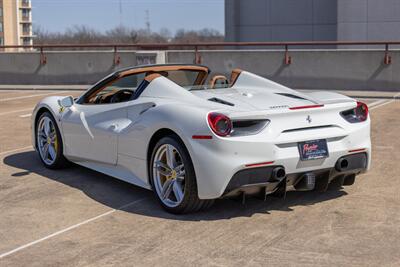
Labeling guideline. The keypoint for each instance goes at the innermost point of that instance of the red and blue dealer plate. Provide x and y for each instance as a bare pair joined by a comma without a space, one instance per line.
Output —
315,149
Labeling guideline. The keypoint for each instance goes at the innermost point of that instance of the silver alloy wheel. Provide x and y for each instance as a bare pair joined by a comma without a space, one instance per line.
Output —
169,175
47,140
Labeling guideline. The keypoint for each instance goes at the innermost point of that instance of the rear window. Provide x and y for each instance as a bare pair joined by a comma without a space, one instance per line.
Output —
183,78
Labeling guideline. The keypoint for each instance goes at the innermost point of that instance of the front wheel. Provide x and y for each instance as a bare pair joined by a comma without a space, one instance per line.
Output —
49,142
173,177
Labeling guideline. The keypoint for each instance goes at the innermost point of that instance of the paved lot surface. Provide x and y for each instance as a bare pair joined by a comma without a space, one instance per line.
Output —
77,217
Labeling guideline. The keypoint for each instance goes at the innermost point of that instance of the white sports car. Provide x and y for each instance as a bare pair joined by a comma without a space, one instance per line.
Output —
192,139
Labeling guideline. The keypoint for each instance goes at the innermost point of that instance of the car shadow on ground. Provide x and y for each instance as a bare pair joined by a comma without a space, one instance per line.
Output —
116,194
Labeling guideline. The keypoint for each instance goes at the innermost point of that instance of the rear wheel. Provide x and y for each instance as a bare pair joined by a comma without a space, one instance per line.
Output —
173,177
49,142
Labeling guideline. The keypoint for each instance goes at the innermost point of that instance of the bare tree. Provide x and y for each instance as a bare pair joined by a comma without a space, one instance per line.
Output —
80,34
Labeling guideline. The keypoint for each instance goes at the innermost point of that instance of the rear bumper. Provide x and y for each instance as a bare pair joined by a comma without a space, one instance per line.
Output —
217,160
252,181
262,179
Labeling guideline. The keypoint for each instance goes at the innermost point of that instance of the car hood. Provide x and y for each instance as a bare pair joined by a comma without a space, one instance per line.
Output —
254,99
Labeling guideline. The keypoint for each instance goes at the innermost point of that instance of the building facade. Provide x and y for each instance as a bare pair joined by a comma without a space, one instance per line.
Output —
15,22
312,20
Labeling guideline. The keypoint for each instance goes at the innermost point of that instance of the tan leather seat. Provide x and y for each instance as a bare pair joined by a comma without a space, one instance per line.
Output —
219,81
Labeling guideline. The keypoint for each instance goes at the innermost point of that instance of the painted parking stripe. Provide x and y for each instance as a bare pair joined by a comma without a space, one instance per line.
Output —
381,103
14,150
377,103
5,254
30,96
25,115
16,111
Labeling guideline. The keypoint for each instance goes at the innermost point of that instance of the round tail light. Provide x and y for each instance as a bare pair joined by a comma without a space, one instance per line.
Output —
219,123
357,114
361,111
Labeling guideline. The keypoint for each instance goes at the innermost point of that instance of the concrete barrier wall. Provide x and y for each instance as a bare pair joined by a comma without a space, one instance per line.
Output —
81,67
319,69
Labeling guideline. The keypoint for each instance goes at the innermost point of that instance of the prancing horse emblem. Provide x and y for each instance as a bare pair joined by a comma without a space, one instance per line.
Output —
309,119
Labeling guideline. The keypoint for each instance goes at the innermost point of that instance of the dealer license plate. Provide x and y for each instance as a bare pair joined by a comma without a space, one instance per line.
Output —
315,149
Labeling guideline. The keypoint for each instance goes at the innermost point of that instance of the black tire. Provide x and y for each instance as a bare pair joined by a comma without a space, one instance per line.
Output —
207,204
60,161
190,202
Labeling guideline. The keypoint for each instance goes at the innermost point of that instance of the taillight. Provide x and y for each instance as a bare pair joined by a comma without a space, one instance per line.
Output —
219,123
357,114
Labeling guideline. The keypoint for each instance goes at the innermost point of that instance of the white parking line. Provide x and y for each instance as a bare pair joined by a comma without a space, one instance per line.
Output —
68,228
30,96
377,103
16,111
14,150
25,115
382,103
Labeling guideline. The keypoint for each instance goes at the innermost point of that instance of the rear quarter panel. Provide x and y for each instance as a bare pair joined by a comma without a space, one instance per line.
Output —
184,120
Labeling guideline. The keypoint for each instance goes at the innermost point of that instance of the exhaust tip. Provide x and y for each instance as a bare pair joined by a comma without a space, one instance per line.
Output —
278,173
342,165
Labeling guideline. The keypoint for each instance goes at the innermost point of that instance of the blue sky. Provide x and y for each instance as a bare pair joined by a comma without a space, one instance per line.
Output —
58,15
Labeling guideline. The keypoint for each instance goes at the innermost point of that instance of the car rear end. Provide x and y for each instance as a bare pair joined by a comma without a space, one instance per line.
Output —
266,151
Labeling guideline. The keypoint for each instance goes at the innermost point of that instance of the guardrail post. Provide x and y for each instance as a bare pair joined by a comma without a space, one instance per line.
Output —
117,58
197,56
387,60
288,58
43,58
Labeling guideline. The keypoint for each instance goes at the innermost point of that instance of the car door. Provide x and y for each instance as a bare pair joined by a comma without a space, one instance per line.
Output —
92,125
90,132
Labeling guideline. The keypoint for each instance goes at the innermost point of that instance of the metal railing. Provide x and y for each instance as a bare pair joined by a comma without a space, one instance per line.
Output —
196,47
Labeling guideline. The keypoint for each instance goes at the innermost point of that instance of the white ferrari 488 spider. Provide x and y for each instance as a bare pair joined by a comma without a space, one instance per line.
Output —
192,139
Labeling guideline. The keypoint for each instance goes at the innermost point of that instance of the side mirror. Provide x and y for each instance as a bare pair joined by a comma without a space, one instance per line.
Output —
66,102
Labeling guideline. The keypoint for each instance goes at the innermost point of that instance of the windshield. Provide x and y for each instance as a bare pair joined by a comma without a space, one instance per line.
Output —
127,81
